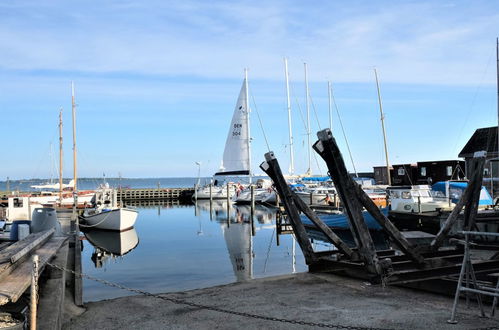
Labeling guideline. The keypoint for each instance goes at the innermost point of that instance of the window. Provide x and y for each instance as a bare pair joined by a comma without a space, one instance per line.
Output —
18,202
406,194
401,171
449,170
423,171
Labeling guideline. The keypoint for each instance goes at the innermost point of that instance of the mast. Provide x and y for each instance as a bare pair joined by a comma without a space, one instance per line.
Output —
291,151
497,73
246,105
75,176
383,128
60,156
309,170
330,106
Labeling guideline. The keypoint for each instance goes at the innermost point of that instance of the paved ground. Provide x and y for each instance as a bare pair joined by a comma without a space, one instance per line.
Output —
319,298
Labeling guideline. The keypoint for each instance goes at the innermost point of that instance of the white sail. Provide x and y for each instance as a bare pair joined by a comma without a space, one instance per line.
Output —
236,158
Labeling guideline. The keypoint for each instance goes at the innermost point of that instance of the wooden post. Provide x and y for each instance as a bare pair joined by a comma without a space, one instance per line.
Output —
228,193
273,170
34,293
311,196
211,197
327,148
476,179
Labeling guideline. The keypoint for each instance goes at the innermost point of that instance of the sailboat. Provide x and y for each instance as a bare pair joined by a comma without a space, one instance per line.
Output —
237,156
106,214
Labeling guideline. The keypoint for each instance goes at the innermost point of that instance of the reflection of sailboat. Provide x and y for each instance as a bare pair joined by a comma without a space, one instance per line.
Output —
240,247
109,244
222,212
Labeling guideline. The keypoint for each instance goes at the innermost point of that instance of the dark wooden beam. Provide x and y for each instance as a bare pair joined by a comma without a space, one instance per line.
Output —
273,170
327,148
476,177
330,235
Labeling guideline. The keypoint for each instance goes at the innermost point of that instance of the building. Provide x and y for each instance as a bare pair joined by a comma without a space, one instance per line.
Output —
442,170
404,174
484,139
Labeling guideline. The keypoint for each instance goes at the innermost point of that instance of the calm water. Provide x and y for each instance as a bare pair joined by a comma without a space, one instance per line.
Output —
187,247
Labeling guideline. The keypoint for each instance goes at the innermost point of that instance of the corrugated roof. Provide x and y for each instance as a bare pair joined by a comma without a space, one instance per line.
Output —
482,139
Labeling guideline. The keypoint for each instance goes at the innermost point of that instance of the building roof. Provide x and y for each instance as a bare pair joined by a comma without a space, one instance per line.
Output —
482,139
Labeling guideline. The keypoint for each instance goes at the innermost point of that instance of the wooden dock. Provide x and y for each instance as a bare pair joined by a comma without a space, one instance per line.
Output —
155,194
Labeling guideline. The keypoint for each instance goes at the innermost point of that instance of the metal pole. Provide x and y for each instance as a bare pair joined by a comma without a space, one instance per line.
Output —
497,72
211,197
34,293
252,189
60,157
383,127
291,151
247,106
330,106
75,176
309,146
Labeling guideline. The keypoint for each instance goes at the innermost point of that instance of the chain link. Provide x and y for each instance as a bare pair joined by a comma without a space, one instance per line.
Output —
217,309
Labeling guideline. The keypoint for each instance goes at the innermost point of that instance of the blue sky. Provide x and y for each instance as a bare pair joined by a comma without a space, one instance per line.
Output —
157,81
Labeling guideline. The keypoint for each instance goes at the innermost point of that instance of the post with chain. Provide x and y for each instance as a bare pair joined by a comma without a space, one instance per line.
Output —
34,293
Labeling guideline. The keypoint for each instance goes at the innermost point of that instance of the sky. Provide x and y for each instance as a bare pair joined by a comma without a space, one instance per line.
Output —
156,82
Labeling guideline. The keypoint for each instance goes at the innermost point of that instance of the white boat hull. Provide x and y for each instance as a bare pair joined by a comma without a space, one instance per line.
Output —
216,192
119,219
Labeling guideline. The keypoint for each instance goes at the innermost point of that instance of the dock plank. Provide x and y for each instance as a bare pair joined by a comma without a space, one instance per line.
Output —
16,249
16,283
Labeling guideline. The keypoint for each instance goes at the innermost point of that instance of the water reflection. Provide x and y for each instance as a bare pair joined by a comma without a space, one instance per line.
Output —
110,244
237,224
185,247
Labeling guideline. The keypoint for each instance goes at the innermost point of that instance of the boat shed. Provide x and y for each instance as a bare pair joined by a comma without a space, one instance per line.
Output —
484,139
404,174
380,175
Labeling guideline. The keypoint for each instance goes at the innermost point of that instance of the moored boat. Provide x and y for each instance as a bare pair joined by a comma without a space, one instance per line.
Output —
118,219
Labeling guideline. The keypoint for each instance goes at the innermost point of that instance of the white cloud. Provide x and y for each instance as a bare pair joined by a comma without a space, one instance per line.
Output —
409,42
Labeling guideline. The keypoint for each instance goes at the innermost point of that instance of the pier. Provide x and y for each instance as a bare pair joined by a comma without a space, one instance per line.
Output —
155,194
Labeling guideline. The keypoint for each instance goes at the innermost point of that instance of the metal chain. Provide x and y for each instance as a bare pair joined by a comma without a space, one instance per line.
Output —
217,309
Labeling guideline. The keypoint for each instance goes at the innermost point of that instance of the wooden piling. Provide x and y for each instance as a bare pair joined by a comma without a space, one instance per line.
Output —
34,293
273,170
326,147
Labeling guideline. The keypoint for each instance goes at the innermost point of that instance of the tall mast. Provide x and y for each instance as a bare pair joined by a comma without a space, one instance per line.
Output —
309,146
60,156
330,106
291,151
497,72
383,128
73,106
246,105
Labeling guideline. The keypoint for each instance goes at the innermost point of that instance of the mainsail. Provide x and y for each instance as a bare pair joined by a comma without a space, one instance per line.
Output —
236,158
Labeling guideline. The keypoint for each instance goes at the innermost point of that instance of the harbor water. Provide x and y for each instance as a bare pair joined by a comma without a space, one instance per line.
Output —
183,247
